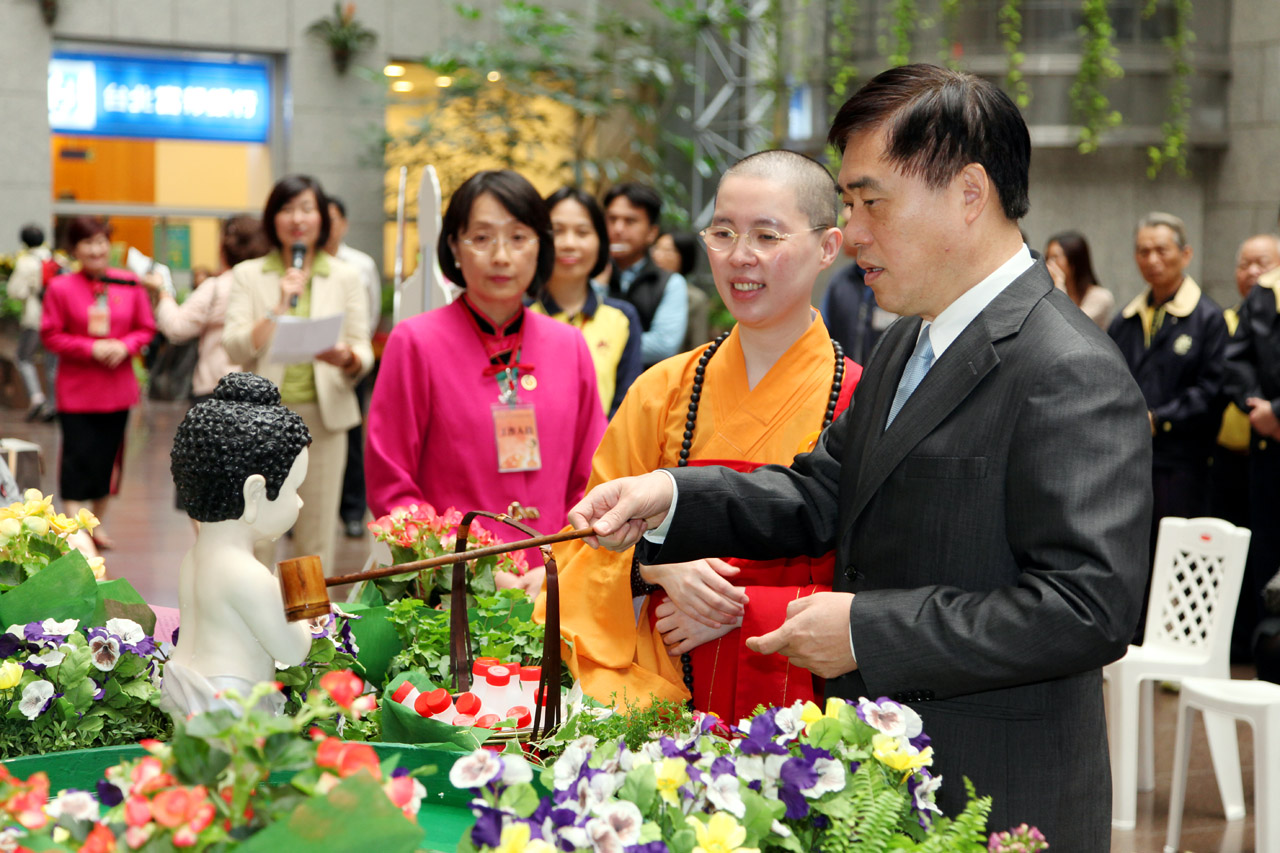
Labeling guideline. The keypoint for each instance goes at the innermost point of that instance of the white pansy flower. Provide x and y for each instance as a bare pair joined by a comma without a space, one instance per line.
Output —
790,722
34,698
568,766
77,805
53,657
890,718
625,818
104,652
603,837
830,778
780,829
725,793
19,631
475,770
66,626
515,771
127,630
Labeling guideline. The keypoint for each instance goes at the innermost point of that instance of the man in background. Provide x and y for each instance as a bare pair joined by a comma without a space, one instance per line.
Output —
1173,338
850,310
661,298
352,507
27,285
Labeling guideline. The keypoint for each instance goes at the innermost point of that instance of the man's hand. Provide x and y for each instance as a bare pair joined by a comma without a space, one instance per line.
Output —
1262,417
109,351
814,636
621,510
681,632
699,589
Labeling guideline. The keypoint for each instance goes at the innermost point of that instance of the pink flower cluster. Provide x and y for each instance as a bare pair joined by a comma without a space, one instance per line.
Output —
420,529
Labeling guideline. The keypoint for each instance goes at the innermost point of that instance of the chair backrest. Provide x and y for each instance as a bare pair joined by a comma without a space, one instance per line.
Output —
1195,585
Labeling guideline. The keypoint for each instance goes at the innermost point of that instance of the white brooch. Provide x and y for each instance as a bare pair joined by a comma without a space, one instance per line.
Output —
1182,345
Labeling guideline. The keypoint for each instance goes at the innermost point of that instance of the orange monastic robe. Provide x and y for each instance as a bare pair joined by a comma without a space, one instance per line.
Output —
611,651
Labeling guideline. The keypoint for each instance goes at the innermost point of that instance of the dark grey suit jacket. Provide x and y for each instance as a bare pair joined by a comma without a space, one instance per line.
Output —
995,536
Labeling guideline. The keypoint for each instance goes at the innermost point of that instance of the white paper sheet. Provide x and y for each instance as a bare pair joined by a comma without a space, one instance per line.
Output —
300,339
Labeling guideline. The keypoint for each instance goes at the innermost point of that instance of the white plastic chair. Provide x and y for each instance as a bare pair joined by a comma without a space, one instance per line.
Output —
1195,583
1256,702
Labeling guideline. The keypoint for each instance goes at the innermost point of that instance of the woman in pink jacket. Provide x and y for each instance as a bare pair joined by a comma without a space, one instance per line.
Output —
95,320
484,404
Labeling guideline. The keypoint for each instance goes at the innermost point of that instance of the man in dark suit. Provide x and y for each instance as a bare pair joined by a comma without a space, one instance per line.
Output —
991,522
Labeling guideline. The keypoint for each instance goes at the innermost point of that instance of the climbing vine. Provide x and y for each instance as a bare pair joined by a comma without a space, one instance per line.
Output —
1010,25
949,49
1173,150
902,29
1089,101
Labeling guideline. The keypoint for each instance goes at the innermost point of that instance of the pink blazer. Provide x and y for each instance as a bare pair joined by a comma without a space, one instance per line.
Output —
83,384
430,428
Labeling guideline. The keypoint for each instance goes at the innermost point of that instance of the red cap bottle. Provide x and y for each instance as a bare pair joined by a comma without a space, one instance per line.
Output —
464,720
521,715
468,704
402,691
488,721
432,703
498,676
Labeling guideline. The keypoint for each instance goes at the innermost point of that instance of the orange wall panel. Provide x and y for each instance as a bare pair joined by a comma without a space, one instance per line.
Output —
87,168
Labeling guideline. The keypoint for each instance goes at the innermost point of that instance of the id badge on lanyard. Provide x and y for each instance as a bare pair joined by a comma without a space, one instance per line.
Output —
99,316
515,428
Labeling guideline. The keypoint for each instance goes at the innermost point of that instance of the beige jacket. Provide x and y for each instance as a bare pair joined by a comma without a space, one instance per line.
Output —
201,315
27,283
254,292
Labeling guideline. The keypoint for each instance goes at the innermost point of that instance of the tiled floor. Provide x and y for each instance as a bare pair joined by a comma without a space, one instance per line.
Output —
151,538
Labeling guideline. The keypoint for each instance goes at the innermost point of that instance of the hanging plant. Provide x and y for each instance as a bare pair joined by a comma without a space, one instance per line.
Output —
902,28
1173,151
949,48
344,35
841,70
1010,25
48,11
1089,103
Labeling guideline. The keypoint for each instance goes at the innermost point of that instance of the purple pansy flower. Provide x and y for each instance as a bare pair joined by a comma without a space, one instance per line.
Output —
760,737
488,829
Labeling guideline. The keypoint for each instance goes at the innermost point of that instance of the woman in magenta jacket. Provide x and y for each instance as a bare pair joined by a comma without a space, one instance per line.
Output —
95,320
484,404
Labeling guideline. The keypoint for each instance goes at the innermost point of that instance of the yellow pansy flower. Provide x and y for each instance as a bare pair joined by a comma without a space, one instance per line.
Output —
721,834
87,520
671,773
10,674
811,713
515,839
898,754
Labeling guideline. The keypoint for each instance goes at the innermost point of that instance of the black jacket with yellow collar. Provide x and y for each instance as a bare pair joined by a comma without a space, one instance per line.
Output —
1253,354
1180,367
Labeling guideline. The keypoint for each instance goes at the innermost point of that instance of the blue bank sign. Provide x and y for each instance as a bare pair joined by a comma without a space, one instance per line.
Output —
164,98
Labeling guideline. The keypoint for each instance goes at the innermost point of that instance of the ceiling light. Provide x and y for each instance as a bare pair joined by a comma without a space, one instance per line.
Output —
494,76
444,82
402,86
394,71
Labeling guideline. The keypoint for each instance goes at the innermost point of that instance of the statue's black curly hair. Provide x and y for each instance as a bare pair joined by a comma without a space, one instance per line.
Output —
242,431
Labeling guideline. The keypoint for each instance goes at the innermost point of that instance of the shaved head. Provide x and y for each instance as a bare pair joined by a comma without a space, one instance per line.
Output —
816,193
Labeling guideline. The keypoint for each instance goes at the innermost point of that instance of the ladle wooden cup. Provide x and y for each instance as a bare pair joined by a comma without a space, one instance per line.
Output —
304,586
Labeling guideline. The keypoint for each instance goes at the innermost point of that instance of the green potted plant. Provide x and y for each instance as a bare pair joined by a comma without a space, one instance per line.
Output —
344,35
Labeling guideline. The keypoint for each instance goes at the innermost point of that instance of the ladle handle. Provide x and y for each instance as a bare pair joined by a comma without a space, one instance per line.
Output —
450,559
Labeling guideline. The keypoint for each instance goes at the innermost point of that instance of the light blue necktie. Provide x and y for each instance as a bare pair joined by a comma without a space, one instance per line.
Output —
917,366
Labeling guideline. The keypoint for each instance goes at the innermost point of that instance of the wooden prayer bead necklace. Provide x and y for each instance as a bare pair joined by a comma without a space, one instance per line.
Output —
691,419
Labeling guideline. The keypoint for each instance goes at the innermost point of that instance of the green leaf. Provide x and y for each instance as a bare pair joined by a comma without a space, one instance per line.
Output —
81,693
521,799
640,787
65,590
196,760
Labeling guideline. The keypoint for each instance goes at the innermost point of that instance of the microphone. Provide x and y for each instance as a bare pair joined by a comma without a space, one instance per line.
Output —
299,256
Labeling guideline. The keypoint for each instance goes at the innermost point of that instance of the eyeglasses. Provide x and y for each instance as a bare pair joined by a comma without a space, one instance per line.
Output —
487,244
762,241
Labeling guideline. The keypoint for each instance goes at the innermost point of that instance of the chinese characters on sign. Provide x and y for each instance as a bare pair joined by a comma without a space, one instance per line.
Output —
136,96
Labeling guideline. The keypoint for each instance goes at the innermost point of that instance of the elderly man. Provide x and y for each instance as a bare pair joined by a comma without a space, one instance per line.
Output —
990,552
1253,384
1173,338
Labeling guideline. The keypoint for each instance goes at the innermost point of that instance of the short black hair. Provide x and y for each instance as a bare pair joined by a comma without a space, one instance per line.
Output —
596,215
686,243
642,196
286,190
242,239
86,228
32,235
937,122
243,430
514,192
340,204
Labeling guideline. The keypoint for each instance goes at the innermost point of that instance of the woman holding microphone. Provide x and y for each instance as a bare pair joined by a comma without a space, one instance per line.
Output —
297,278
